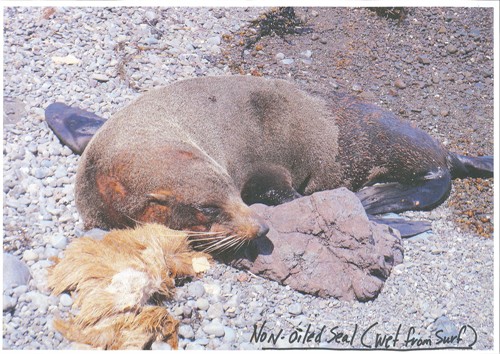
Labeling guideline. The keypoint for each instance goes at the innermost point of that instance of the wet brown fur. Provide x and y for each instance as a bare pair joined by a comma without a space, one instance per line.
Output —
198,151
114,280
196,142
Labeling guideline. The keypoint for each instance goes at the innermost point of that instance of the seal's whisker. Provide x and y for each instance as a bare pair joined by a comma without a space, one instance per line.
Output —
206,239
221,244
240,244
213,246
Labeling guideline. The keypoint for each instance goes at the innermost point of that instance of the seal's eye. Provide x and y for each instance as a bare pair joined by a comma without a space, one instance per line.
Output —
210,211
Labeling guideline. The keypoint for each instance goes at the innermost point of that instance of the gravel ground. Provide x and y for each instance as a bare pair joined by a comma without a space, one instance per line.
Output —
434,68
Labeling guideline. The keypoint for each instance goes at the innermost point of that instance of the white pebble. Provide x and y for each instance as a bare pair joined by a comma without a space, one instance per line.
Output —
66,300
30,255
58,241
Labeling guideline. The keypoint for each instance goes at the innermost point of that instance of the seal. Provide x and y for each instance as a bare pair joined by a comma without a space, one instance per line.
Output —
193,156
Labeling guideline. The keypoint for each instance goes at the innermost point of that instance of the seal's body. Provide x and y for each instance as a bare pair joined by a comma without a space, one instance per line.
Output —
193,155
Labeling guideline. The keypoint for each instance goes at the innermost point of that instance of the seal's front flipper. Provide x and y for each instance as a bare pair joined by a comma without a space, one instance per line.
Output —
406,228
270,185
395,197
73,126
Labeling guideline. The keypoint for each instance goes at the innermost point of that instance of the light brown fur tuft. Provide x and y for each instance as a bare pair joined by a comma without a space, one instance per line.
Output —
113,280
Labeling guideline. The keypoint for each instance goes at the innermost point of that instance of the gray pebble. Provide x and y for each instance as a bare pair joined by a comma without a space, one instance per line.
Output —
202,304
451,49
287,61
96,234
159,345
424,59
214,40
9,302
357,88
15,272
66,300
215,311
58,241
399,84
214,328
40,301
19,290
186,331
306,54
100,77
295,309
280,56
41,172
229,334
194,346
196,289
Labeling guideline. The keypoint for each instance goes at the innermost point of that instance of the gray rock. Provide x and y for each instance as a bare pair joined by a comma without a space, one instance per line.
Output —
194,346
66,300
40,301
58,241
216,40
96,234
151,16
424,59
342,245
159,345
229,334
15,272
295,309
357,88
100,77
214,328
202,304
196,289
287,61
9,302
451,49
41,172
399,84
186,331
215,311
447,327
20,290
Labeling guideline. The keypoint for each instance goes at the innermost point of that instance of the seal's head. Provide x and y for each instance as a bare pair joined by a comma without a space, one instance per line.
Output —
175,184
221,224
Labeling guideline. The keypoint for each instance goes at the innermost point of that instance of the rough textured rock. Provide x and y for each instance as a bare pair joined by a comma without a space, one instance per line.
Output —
325,245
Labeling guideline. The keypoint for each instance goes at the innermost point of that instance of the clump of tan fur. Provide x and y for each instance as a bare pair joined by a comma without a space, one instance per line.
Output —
114,280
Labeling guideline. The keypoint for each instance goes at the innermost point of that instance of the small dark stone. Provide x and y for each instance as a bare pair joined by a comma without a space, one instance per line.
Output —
399,84
423,59
451,49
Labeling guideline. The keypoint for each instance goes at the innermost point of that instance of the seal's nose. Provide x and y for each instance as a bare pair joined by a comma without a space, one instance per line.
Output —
263,230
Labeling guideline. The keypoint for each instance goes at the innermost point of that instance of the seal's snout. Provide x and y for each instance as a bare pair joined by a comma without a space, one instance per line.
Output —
263,230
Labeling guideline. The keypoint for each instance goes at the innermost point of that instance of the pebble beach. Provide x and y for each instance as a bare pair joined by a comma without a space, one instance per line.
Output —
100,59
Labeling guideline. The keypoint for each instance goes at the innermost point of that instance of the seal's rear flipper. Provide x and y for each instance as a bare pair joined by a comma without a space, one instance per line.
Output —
406,228
73,126
471,166
395,197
